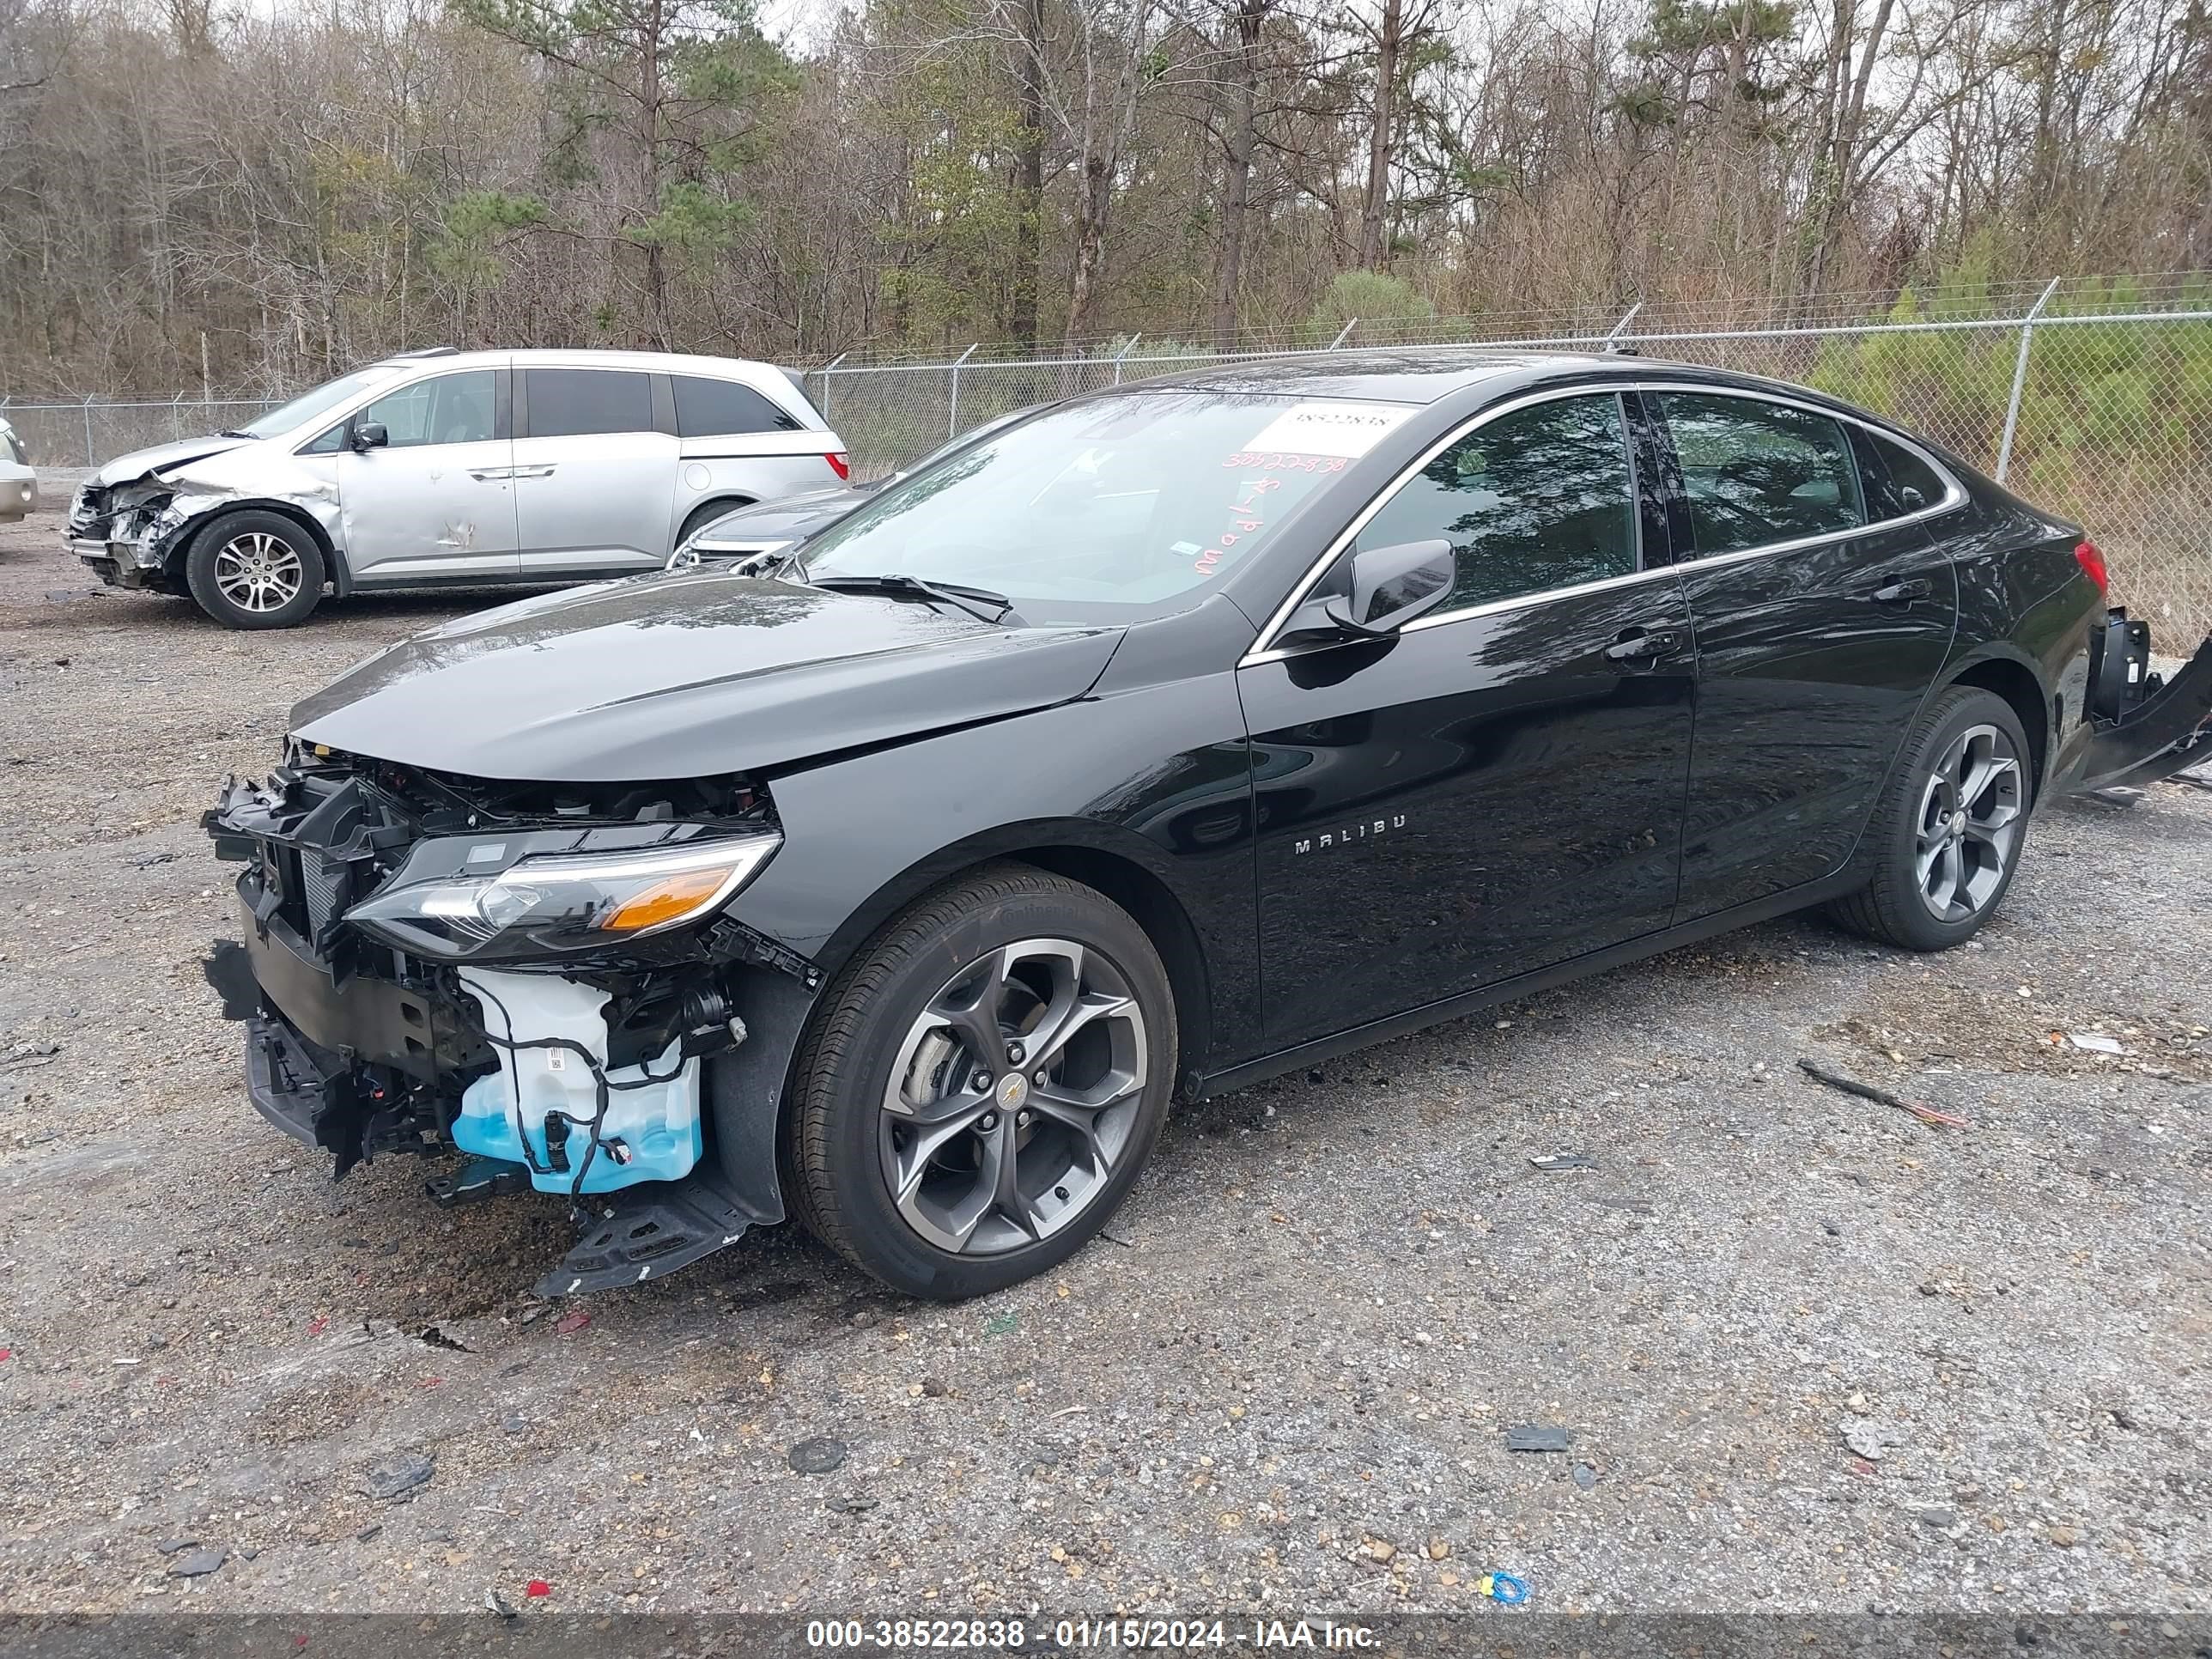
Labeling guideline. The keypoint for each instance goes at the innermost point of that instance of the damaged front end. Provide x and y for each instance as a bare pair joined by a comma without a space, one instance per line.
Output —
532,977
130,522
2144,727
128,533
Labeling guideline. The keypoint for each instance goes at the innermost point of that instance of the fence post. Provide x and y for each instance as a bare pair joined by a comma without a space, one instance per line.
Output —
2020,379
824,406
1344,334
952,410
88,461
1124,352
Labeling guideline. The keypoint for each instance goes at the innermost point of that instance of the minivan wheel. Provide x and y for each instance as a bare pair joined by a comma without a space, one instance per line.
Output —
255,569
1946,837
983,1084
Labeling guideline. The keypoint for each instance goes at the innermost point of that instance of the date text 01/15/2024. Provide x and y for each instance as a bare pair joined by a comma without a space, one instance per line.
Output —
1152,1635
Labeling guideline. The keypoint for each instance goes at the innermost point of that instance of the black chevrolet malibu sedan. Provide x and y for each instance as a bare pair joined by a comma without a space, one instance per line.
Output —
1160,741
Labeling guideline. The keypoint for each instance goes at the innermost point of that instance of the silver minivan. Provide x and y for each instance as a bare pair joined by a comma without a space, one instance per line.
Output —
457,468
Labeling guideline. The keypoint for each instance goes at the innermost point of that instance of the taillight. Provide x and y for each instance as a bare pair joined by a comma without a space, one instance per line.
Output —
2093,566
843,468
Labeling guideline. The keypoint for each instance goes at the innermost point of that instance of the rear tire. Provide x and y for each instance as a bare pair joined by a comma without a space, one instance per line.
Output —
705,513
954,1131
255,570
1948,831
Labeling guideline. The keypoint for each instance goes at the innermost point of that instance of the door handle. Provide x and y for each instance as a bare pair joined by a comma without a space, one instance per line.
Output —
491,474
1636,645
1902,593
545,471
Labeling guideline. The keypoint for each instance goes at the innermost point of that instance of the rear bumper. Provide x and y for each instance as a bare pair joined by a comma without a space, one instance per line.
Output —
2145,729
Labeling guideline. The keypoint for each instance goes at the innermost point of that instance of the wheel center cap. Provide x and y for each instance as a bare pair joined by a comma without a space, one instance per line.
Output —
1958,824
1013,1090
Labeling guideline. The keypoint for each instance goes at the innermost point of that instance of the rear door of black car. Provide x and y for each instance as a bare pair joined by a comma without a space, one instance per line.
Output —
1499,787
1823,609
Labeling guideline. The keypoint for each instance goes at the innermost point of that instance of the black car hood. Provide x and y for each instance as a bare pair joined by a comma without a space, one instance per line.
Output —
690,674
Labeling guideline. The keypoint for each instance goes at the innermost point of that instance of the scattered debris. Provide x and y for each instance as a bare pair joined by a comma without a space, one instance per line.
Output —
2096,1043
1503,1587
817,1456
367,1533
934,1387
197,1565
1551,1162
570,1323
148,861
857,1504
1881,1097
537,1588
1868,1440
171,1545
395,1478
1585,1475
432,1336
494,1603
1004,1324
1538,1437
30,1054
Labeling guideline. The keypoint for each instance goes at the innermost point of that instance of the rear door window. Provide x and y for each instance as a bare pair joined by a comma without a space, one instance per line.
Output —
707,408
1754,473
571,403
1542,498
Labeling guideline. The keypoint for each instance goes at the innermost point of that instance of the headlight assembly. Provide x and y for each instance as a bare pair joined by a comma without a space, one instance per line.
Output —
564,904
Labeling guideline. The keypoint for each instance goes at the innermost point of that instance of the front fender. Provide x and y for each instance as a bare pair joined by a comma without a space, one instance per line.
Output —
1156,775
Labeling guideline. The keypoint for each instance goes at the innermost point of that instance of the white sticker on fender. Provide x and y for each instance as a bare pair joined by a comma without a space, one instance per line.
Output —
1328,429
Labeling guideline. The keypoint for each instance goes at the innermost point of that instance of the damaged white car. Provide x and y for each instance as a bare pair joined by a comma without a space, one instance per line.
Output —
446,468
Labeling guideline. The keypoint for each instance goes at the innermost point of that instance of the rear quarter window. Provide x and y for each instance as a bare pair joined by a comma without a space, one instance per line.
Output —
707,408
1899,481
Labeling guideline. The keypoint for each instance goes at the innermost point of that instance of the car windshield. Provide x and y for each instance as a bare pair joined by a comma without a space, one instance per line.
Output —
1132,501
309,405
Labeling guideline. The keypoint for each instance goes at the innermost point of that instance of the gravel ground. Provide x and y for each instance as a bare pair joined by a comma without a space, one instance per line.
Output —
1285,1380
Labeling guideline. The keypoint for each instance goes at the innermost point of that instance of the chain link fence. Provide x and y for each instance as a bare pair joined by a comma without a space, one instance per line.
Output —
2091,399
69,437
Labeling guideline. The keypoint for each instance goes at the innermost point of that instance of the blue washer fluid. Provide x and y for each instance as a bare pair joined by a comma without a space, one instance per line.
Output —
650,1133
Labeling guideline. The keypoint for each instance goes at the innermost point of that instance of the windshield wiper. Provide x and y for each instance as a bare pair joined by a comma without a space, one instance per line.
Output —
232,432
901,585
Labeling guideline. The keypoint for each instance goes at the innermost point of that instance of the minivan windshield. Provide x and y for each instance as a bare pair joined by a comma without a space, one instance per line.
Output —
309,405
1134,499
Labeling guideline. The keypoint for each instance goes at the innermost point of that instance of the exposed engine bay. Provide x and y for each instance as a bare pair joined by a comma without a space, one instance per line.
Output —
529,976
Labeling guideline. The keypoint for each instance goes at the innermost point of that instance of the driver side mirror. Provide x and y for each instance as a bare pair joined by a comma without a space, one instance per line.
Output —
1389,587
370,436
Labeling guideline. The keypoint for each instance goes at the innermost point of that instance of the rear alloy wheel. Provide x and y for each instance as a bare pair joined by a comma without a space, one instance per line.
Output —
255,570
1947,835
958,1131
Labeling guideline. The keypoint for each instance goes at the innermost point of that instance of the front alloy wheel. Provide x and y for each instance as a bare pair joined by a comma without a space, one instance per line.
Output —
954,1128
255,569
1013,1096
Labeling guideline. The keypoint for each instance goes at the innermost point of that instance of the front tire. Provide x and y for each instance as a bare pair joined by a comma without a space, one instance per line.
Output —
1946,837
255,570
983,1084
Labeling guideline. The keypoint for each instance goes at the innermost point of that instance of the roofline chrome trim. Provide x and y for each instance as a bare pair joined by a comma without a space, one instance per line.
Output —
1265,650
